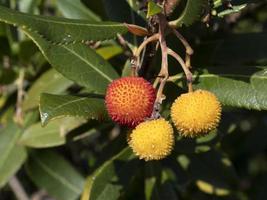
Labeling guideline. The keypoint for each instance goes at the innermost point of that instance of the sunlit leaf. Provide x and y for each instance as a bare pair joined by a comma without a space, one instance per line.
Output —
62,30
54,106
77,62
191,13
75,9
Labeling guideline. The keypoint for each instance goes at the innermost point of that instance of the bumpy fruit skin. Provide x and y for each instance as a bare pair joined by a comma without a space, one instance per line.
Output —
152,140
130,100
196,113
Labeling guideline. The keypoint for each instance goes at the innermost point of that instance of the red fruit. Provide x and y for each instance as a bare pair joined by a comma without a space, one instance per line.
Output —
130,100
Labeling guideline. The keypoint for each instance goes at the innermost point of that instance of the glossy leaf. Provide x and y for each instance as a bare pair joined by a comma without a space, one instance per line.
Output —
53,173
54,134
123,12
50,82
238,90
112,177
221,51
12,155
191,13
53,106
77,62
62,30
75,9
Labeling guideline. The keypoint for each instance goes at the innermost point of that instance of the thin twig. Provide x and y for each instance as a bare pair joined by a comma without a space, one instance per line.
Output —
41,195
18,189
20,94
187,72
128,50
187,46
175,77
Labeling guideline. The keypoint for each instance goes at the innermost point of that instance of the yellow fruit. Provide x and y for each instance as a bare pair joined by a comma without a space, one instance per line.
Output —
152,140
196,113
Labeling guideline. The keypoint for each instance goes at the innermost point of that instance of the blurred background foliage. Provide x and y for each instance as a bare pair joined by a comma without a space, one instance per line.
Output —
72,157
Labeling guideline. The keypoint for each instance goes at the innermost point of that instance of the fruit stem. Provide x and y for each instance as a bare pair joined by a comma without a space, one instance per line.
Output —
186,70
133,66
143,45
188,49
164,72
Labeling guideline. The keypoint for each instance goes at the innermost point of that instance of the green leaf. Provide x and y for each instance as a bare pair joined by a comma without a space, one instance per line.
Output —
135,7
53,106
158,182
112,177
62,30
232,10
236,89
208,180
7,114
54,134
152,180
126,71
77,62
12,155
75,9
28,6
50,82
7,76
211,189
153,9
168,190
191,13
109,51
3,99
2,29
52,172
30,118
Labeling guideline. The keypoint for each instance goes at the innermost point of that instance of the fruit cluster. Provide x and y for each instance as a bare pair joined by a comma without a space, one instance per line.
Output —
130,101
